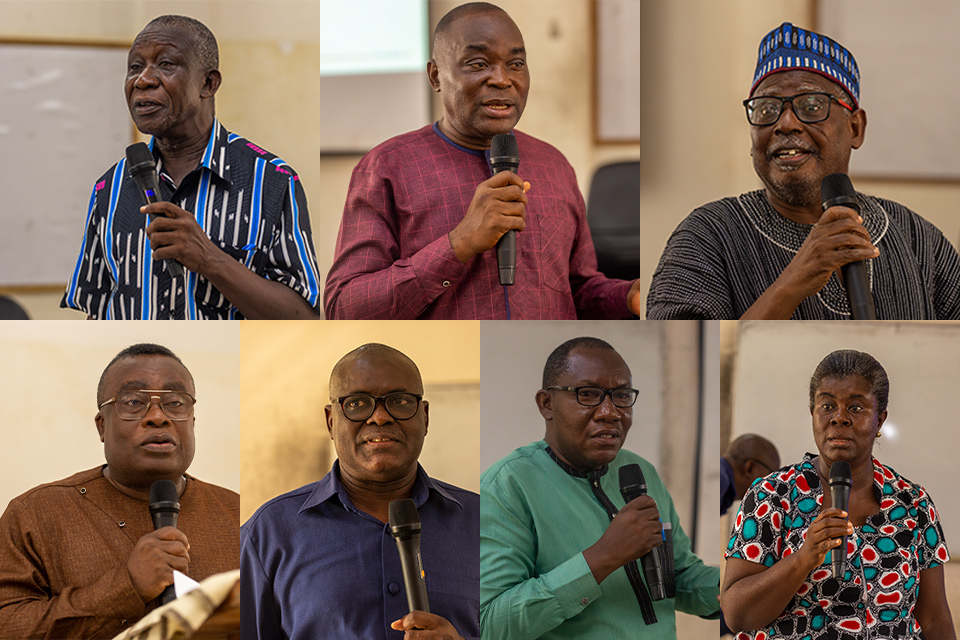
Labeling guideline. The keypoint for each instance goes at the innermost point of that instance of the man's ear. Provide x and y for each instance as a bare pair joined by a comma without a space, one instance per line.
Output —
98,419
328,415
858,128
211,83
545,404
433,75
426,416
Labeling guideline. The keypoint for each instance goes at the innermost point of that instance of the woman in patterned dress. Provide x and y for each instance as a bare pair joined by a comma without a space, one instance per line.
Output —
779,582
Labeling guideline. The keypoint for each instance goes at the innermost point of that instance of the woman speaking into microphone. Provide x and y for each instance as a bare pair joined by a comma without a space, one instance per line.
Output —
779,582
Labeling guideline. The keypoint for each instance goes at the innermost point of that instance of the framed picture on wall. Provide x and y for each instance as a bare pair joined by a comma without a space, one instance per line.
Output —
616,59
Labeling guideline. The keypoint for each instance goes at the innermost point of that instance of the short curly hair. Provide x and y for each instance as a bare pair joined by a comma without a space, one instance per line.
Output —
845,363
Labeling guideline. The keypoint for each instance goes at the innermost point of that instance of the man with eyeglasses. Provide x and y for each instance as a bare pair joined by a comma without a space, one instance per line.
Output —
555,532
320,562
79,558
774,253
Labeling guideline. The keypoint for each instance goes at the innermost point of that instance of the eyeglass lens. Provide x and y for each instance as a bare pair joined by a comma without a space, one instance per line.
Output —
808,107
401,406
132,405
592,396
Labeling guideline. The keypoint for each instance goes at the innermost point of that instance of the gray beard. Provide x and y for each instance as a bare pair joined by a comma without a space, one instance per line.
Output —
796,193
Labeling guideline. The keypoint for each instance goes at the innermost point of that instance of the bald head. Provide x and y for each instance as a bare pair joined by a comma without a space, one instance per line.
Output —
371,354
464,10
751,457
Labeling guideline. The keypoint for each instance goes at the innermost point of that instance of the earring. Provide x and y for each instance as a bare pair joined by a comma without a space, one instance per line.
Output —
878,435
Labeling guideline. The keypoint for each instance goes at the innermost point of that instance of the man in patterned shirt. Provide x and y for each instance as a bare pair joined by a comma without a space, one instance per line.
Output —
423,212
773,253
233,215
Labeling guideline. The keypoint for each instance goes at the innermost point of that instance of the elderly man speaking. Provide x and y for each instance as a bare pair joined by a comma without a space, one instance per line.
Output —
774,253
233,215
423,213
79,557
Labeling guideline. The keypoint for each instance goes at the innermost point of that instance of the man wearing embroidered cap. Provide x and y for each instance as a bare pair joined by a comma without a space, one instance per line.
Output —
773,253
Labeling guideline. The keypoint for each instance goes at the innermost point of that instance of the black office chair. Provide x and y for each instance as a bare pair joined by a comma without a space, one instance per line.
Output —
613,215
10,310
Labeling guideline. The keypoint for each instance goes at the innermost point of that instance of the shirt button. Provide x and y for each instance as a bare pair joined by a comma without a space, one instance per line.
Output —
446,283
123,623
584,601
393,588
83,490
122,523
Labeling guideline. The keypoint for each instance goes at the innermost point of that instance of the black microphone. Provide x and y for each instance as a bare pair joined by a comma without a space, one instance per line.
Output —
632,486
405,529
164,509
840,483
836,190
143,171
505,156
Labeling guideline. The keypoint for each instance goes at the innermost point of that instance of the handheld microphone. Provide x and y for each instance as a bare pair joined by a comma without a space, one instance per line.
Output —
632,486
837,190
143,171
505,156
405,529
840,483
164,509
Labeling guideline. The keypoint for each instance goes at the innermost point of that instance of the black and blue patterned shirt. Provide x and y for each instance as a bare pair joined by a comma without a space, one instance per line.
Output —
876,596
250,204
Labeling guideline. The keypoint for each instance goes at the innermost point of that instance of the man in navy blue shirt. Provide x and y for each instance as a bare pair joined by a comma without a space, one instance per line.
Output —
319,562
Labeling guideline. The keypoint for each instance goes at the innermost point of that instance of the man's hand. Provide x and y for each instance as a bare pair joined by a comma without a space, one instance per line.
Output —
823,535
838,238
634,531
635,299
419,625
175,235
499,205
154,558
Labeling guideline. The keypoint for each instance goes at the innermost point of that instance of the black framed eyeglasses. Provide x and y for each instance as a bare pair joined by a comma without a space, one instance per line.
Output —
808,107
360,406
593,396
134,404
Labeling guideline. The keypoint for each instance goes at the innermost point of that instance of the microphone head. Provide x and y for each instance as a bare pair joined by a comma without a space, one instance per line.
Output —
404,520
504,153
840,474
836,189
139,159
631,474
164,496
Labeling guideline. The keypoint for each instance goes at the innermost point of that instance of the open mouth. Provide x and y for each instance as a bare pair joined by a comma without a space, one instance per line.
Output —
159,443
145,107
498,108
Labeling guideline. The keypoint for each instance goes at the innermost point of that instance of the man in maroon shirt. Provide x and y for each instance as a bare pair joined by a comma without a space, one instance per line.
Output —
422,213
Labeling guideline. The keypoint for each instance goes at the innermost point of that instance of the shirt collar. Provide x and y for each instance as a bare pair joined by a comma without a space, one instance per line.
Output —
215,156
812,476
573,471
330,487
485,154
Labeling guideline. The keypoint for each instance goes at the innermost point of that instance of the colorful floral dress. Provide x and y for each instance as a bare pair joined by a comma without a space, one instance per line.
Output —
876,596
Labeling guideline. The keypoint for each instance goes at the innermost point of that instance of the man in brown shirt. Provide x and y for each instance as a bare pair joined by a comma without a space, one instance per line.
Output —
79,558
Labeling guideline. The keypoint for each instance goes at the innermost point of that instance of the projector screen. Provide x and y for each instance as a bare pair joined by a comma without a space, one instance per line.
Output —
373,60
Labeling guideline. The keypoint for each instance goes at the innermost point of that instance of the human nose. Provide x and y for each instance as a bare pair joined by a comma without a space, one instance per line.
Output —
788,122
499,76
380,415
840,417
155,414
606,408
146,78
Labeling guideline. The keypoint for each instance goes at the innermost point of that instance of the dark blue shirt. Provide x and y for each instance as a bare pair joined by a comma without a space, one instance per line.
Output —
727,486
316,567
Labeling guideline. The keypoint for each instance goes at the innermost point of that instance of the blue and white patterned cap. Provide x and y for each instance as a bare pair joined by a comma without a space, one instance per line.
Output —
789,47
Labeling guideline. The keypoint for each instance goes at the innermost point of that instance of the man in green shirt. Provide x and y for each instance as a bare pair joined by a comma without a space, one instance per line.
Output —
551,554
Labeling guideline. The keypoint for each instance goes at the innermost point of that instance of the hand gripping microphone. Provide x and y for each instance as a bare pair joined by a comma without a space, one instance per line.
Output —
164,509
405,529
505,156
632,486
836,190
143,171
840,483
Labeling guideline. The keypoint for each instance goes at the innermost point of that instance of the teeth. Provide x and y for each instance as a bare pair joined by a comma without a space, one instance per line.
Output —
381,440
789,153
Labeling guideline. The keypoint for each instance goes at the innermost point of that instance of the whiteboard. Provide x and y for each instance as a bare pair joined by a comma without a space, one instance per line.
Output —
906,54
773,365
617,68
63,122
